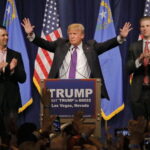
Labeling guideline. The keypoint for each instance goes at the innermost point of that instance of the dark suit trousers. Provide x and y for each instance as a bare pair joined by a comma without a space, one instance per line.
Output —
142,106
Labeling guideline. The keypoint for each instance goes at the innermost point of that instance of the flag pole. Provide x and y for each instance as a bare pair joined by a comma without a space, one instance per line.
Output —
106,126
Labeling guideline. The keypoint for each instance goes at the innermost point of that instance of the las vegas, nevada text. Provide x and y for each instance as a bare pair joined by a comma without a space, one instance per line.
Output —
70,98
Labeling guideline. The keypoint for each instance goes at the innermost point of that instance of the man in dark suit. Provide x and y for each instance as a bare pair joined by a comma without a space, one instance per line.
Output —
11,72
87,52
138,64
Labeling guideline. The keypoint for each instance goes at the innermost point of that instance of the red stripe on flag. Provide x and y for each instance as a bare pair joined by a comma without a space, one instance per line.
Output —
48,37
36,76
41,65
46,54
57,33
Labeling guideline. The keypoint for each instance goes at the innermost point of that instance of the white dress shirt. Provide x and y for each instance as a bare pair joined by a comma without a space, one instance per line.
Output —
82,69
3,54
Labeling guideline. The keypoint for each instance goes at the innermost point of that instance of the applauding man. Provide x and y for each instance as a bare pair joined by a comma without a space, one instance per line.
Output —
11,72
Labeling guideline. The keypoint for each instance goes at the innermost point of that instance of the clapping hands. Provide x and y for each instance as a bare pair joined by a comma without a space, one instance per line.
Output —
3,65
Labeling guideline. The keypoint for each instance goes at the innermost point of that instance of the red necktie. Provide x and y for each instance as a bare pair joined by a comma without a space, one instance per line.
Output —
146,50
145,63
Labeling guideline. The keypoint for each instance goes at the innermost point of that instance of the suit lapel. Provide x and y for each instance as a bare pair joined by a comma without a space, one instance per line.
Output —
87,53
8,56
66,49
139,48
63,52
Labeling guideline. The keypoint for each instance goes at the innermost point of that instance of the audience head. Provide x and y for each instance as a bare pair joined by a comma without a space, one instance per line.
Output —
145,27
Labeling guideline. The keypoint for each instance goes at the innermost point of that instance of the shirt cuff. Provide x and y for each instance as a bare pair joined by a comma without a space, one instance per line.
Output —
137,63
31,36
12,72
120,39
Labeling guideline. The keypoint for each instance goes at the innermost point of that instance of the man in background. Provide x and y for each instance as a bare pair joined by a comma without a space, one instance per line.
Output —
11,73
138,65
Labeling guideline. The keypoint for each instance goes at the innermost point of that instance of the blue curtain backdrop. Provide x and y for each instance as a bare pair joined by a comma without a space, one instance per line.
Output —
85,12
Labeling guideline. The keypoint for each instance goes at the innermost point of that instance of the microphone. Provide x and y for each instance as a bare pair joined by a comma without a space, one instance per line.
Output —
66,68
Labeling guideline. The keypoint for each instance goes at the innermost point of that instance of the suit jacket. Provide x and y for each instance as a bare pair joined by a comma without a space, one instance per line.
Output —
9,89
135,51
91,49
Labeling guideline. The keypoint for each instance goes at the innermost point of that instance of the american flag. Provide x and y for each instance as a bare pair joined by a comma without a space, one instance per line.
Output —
147,8
51,31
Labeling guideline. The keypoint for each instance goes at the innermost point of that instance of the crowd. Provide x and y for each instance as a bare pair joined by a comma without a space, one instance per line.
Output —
77,136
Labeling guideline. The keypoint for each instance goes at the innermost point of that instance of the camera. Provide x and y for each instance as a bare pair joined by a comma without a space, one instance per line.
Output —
57,125
122,131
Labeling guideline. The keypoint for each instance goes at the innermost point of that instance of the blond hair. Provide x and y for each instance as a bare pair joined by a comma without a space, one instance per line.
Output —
76,26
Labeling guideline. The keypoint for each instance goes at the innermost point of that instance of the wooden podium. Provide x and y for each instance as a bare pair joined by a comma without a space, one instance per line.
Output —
67,96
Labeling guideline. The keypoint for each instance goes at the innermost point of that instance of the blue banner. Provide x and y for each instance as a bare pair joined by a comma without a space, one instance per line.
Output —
16,42
70,96
110,62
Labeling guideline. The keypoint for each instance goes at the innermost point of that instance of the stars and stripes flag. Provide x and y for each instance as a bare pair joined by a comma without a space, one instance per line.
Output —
147,8
51,31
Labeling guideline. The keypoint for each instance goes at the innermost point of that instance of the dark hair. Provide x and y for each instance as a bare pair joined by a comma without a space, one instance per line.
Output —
2,27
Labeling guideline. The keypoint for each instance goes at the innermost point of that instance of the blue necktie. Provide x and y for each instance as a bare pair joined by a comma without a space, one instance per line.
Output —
73,64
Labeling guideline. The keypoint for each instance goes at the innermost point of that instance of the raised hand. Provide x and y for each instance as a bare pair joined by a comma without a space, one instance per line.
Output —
28,27
124,31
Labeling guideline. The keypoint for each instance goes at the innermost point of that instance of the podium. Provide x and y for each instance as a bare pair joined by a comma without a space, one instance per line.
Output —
67,96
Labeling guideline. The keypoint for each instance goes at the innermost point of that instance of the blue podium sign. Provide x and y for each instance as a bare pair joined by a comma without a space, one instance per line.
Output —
68,96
